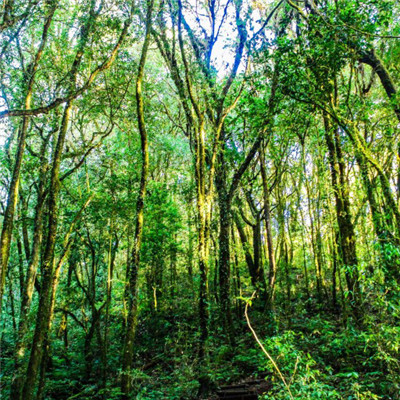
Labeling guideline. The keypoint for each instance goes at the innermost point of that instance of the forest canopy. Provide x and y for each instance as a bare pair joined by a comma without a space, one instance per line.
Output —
200,199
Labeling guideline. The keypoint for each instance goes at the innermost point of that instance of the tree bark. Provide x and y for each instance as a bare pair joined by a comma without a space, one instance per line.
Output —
21,344
246,249
268,231
224,244
133,266
44,309
347,239
12,199
369,57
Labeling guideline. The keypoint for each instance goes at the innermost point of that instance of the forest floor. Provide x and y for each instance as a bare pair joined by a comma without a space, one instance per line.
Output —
320,354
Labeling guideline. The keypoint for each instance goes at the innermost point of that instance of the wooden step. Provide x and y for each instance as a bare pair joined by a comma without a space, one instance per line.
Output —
236,386
247,390
233,391
254,382
237,393
244,396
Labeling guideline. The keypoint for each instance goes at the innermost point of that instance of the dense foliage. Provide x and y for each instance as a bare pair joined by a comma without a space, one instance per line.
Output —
198,192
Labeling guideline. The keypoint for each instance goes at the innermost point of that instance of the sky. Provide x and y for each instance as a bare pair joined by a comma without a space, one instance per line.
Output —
224,48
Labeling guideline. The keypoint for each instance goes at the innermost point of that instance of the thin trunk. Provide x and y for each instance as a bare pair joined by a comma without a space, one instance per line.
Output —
318,234
347,239
173,271
283,248
112,251
46,344
268,231
313,243
20,347
190,247
224,242
45,303
12,199
12,306
304,254
257,250
202,238
236,275
334,273
20,265
246,249
24,227
133,266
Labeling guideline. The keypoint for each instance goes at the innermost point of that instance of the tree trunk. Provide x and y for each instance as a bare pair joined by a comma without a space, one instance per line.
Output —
20,347
313,243
268,231
369,57
347,239
224,243
112,252
133,266
44,308
8,221
246,249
